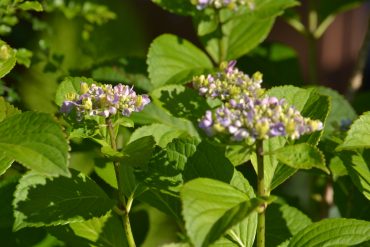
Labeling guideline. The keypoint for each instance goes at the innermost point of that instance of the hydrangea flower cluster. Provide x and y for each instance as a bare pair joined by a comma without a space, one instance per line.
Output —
230,83
104,100
250,116
218,4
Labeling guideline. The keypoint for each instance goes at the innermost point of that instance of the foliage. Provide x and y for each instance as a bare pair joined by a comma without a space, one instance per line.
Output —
86,163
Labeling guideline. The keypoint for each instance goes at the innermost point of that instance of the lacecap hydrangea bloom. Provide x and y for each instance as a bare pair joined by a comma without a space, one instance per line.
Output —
251,115
229,83
218,4
104,100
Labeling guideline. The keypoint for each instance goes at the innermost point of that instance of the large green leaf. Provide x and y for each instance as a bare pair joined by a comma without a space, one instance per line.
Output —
180,101
333,232
358,135
173,60
207,215
310,104
209,161
102,231
7,58
6,110
36,141
139,152
241,34
56,201
70,85
180,7
163,178
302,156
164,127
282,222
358,168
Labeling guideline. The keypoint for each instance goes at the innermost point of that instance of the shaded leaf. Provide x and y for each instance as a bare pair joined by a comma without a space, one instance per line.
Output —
7,58
180,7
282,222
56,201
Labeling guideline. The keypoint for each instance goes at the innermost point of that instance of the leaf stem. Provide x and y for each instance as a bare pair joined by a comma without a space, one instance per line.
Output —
312,42
221,46
261,192
122,206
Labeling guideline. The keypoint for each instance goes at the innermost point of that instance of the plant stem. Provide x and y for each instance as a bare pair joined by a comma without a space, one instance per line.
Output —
261,192
125,208
220,41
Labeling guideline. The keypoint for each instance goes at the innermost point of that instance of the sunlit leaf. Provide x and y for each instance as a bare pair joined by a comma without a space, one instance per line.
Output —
37,141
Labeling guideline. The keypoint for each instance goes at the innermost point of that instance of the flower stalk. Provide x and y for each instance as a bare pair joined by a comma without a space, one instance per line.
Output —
261,192
122,205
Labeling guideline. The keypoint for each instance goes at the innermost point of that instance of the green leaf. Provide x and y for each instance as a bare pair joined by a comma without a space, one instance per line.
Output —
173,60
36,141
139,152
207,215
241,35
7,110
23,57
206,21
180,7
341,110
209,161
40,201
302,156
333,232
70,85
310,104
103,231
358,135
271,8
357,164
180,101
30,5
282,222
7,58
347,198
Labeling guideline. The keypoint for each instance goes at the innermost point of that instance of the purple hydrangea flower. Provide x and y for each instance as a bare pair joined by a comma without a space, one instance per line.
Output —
104,100
231,4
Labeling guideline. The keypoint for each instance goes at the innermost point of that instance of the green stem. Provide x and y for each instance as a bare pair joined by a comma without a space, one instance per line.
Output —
261,192
221,47
122,206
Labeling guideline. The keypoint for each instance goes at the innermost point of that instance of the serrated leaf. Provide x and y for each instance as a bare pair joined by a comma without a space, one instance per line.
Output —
310,104
357,164
7,58
358,136
209,161
173,60
103,231
241,35
31,5
139,152
332,232
36,141
207,215
302,156
282,222
180,101
180,7
70,85
41,201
